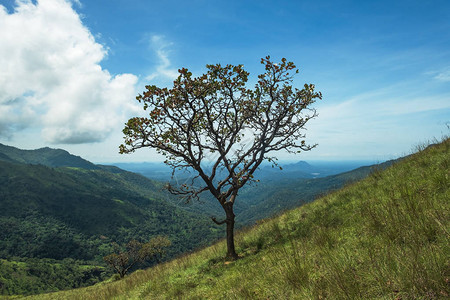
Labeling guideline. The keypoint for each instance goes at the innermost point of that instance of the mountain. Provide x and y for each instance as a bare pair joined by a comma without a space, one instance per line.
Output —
54,205
44,156
152,170
300,169
384,237
84,201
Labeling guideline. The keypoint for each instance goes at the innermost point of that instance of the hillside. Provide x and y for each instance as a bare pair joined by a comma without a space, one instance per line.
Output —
60,215
44,156
56,207
276,195
118,205
385,237
277,192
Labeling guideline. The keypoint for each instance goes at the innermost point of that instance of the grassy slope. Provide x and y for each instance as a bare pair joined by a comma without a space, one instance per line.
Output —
385,237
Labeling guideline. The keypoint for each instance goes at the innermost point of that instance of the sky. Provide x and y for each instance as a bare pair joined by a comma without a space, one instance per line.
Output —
70,70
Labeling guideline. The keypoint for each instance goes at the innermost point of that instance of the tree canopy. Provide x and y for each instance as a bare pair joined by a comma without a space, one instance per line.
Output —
223,130
136,252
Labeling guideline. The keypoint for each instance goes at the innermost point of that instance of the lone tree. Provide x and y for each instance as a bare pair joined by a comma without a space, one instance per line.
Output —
222,130
135,253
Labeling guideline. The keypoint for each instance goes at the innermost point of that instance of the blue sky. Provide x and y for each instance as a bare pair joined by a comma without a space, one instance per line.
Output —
70,69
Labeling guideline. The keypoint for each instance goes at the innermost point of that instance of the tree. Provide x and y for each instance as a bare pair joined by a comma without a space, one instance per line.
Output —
222,130
136,252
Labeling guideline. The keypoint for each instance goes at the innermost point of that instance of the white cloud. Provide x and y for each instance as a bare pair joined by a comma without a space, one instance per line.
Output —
160,46
443,76
378,121
50,76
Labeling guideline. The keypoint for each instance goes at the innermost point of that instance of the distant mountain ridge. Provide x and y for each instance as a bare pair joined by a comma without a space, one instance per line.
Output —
44,156
289,170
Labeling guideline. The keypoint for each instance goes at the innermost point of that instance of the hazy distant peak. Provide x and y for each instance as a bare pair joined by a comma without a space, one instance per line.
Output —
302,163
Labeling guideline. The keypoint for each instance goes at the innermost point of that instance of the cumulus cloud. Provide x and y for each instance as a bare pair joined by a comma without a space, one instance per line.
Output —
51,77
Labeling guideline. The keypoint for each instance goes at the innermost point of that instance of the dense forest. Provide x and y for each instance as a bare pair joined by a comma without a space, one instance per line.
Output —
55,207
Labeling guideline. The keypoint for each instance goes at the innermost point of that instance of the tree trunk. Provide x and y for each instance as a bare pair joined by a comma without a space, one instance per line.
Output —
231,252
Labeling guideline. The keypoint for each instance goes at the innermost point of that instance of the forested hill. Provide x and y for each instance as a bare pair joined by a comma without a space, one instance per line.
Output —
54,205
44,156
73,206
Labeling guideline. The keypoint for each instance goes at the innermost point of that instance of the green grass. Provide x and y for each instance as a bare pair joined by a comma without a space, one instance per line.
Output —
386,237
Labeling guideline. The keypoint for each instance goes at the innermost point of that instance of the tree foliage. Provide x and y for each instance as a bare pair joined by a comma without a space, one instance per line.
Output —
136,252
223,130
27,276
